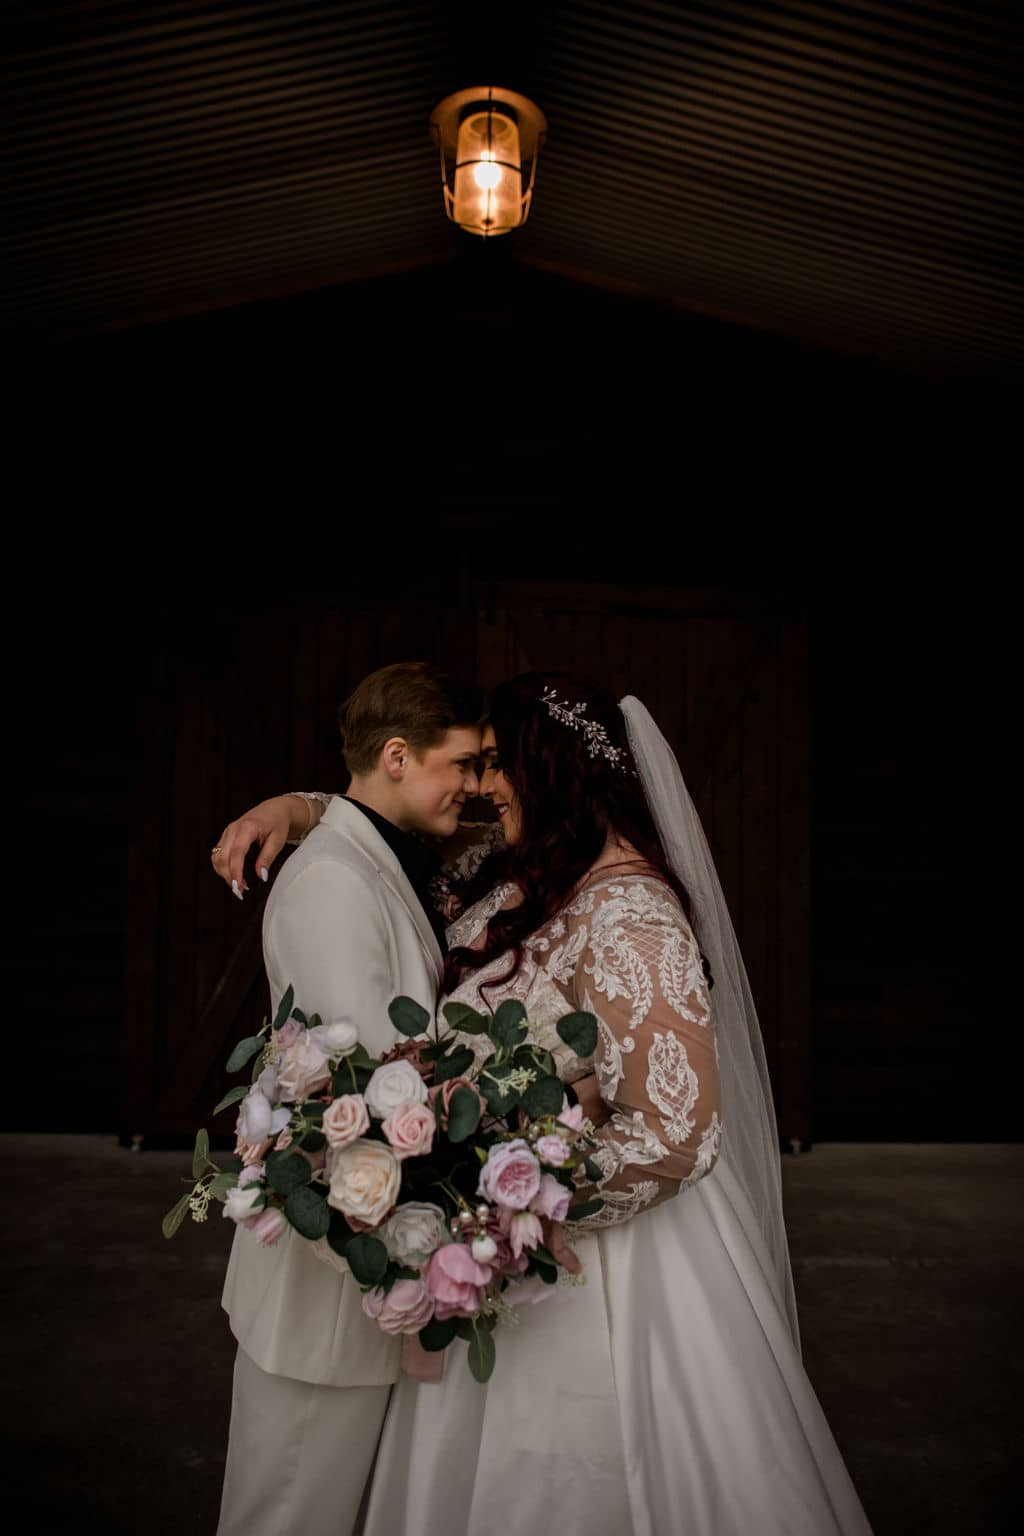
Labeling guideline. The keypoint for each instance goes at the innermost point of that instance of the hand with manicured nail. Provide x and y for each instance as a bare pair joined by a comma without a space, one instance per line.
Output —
268,826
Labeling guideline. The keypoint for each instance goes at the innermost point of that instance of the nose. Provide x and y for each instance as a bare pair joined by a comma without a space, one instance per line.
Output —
472,782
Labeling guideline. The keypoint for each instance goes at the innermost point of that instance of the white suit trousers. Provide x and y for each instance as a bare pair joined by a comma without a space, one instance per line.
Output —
299,1455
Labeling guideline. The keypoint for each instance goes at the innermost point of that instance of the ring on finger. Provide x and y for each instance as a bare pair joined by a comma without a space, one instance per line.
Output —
214,851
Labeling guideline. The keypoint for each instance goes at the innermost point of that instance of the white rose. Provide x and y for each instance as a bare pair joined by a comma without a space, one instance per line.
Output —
390,1085
413,1232
257,1119
365,1179
337,1039
243,1203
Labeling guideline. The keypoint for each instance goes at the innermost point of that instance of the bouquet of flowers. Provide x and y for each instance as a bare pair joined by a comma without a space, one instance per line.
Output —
441,1175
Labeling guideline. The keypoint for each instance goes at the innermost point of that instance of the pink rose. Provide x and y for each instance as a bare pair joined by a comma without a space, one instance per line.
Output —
268,1226
552,1149
523,1230
410,1129
365,1180
346,1120
445,1091
552,1199
406,1308
251,1152
287,1035
454,1278
301,1069
510,1176
573,1117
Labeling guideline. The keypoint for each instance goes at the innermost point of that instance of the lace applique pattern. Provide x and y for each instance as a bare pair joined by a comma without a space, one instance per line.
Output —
707,1152
641,1146
638,936
475,918
619,1205
671,1086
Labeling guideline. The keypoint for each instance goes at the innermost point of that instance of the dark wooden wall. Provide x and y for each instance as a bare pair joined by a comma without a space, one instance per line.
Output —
223,524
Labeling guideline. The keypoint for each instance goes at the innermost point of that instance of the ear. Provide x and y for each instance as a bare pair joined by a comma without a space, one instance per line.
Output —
394,756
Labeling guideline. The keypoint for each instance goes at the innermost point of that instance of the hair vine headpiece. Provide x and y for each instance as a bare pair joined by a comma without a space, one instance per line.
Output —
596,736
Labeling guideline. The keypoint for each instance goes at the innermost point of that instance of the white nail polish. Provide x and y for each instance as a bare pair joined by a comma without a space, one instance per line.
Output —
235,891
263,875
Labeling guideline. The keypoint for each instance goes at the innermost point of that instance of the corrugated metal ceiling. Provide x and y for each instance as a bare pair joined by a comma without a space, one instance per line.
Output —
846,174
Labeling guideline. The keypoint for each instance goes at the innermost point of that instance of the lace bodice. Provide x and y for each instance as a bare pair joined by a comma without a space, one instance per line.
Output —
622,950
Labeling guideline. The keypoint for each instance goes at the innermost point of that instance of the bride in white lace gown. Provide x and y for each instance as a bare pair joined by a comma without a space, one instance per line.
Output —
666,1394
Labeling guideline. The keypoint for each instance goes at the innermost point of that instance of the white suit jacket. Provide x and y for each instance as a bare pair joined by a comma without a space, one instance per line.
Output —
344,927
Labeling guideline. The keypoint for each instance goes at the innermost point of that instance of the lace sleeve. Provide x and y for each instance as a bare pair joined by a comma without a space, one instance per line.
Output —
310,796
638,969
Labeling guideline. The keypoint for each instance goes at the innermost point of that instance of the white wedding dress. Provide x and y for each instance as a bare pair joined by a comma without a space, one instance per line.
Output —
666,1394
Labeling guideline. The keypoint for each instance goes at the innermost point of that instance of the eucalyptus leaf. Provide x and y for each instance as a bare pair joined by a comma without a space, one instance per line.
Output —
339,1234
579,1031
589,1208
463,1114
462,1017
481,1354
299,1016
244,1051
313,1141
351,1077
290,1172
174,1218
232,1097
308,1213
408,1017
218,1187
201,1154
455,1065
367,1258
508,1027
544,1097
463,1327
437,1334
592,1171
500,1100
284,1008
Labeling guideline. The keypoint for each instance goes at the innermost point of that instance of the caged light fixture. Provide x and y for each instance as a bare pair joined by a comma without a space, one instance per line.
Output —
491,135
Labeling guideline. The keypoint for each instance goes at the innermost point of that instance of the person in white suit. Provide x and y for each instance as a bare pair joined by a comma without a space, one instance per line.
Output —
350,925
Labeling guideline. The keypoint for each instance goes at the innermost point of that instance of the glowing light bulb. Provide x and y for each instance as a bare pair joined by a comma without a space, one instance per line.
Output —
486,174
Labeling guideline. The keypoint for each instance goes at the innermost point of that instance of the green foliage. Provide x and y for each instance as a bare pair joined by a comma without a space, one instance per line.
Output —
438,1333
244,1051
287,1171
463,1114
462,1017
308,1213
544,1097
508,1027
232,1097
313,1141
351,1077
218,1187
339,1233
481,1354
455,1065
408,1017
592,1171
589,1208
201,1154
174,1218
500,1100
367,1258
284,1009
299,1016
579,1031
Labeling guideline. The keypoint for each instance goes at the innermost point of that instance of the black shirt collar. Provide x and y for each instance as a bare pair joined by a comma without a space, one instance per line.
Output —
420,863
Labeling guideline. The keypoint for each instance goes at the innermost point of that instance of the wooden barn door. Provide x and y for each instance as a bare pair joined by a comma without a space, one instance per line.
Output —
239,709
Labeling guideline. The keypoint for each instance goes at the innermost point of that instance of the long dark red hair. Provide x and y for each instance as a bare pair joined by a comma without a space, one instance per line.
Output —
569,797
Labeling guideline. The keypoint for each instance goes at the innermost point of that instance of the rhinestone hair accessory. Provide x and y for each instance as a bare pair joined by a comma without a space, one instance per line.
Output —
573,715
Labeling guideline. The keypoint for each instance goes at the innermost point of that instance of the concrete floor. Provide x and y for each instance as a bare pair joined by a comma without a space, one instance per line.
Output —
907,1258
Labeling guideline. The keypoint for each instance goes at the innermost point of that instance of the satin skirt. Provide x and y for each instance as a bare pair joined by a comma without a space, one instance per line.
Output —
665,1395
